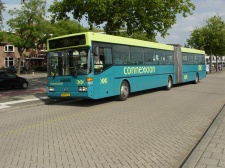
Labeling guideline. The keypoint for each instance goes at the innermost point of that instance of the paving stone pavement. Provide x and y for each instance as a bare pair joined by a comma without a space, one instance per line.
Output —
210,152
151,129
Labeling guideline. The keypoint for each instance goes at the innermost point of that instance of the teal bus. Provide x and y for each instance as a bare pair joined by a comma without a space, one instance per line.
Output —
93,66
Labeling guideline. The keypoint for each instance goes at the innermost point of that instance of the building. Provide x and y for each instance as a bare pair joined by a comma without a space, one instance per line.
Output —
33,58
9,55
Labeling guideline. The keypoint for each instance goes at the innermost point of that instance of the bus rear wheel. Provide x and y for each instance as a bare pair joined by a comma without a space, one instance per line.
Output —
169,83
196,79
124,91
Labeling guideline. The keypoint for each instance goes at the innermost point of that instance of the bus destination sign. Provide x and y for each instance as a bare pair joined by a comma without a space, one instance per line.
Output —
67,41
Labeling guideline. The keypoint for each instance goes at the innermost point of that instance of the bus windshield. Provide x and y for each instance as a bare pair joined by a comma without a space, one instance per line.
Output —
69,62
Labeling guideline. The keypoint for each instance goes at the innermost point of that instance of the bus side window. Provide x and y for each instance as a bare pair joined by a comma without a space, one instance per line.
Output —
185,58
149,56
105,56
168,57
136,55
160,57
121,54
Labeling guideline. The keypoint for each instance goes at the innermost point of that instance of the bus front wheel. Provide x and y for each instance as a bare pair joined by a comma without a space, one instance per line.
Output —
124,91
169,83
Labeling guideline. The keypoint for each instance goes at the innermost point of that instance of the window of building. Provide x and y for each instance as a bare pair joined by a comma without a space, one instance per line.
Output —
9,48
8,61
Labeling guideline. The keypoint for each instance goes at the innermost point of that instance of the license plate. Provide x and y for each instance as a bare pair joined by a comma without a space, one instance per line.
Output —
65,94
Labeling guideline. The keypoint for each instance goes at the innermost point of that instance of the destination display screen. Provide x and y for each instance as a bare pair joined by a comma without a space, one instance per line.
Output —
67,41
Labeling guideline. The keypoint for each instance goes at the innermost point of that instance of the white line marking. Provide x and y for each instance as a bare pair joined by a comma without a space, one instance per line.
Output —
5,104
2,106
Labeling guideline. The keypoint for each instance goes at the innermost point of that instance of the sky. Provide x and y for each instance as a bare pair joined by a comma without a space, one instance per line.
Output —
179,33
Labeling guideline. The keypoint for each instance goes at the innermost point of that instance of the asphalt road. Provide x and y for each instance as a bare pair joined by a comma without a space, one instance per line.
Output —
155,128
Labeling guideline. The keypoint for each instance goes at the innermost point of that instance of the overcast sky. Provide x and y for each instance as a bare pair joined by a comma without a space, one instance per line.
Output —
179,32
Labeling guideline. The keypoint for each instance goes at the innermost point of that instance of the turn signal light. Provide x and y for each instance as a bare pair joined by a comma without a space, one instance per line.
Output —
89,79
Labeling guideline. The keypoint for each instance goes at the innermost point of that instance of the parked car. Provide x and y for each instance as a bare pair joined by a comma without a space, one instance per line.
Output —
13,69
11,80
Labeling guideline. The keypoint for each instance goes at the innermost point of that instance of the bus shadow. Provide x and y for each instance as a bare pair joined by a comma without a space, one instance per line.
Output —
92,102
81,102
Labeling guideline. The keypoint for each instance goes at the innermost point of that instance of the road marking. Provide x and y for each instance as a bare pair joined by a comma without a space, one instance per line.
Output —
6,104
2,106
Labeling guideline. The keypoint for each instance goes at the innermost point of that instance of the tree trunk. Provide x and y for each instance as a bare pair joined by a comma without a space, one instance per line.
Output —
210,64
221,63
216,64
19,64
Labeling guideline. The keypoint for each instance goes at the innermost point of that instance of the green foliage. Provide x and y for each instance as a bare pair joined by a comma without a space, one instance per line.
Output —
4,36
40,69
210,37
137,35
27,23
2,9
64,27
148,16
197,39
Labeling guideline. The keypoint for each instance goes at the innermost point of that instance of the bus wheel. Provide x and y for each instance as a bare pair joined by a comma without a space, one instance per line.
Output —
124,91
169,83
196,79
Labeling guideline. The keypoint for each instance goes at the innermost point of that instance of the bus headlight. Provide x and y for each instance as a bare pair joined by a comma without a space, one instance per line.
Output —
51,89
82,88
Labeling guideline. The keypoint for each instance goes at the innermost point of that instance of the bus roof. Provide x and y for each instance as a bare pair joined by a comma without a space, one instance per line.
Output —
127,41
100,37
191,50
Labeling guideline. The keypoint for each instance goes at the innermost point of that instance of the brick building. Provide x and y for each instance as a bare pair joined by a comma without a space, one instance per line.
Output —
9,56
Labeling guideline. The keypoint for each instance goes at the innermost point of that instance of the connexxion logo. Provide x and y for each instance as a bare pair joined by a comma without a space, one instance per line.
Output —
138,70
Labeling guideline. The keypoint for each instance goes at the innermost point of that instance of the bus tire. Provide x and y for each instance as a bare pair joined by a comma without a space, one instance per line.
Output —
124,91
169,83
196,79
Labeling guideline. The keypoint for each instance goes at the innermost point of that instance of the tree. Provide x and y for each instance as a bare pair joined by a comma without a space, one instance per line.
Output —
210,38
148,16
28,25
2,8
64,27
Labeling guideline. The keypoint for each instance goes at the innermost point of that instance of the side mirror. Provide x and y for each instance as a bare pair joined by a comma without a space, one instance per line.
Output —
95,50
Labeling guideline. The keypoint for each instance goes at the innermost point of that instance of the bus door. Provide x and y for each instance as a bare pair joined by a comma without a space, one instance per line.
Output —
178,64
103,80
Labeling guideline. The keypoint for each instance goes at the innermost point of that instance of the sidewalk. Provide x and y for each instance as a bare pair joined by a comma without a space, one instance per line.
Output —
210,152
33,75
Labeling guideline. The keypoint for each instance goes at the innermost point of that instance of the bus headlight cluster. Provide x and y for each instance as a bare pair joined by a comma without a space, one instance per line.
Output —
82,88
51,89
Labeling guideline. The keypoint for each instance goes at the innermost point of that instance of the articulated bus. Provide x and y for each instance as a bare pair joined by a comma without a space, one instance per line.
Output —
92,66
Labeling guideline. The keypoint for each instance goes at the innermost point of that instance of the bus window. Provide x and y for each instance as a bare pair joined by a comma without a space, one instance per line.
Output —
77,61
190,58
149,56
103,60
196,58
201,59
168,57
107,56
121,54
185,58
53,63
160,57
136,55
